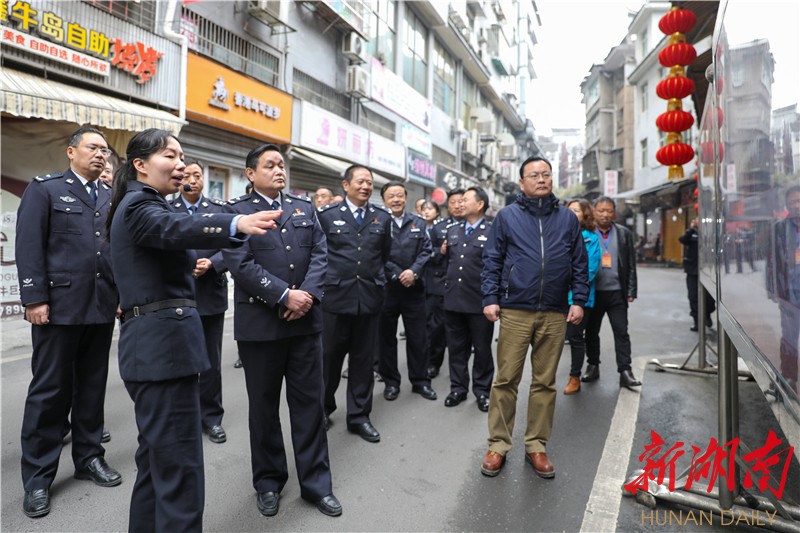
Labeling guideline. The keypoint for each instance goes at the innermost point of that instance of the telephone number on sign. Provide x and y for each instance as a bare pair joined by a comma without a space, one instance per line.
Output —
11,309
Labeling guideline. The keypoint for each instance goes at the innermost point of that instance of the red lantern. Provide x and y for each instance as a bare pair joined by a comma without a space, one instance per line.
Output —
677,54
696,207
675,121
694,193
677,20
675,155
675,87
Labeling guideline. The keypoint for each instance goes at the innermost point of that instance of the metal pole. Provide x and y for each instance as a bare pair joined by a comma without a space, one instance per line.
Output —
701,325
725,350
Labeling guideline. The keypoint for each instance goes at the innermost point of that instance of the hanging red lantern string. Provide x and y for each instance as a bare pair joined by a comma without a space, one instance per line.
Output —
677,21
674,87
676,121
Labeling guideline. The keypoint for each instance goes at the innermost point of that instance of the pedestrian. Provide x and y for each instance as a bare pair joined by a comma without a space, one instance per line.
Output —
534,255
434,293
467,328
159,356
689,240
438,263
67,289
576,332
615,290
359,243
404,295
322,197
278,285
211,294
107,176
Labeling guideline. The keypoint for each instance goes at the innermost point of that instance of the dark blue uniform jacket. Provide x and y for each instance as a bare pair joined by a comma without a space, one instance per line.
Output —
411,248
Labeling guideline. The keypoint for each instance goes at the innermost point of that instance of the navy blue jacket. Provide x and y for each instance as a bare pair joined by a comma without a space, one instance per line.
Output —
62,252
411,248
534,256
292,256
152,257
211,289
355,279
437,266
462,292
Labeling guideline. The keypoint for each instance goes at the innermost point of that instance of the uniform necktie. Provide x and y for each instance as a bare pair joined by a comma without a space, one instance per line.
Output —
192,209
470,229
92,191
359,216
275,205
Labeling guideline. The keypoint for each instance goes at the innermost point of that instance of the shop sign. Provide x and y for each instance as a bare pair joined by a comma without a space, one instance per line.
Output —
387,156
416,139
138,59
447,178
330,134
610,180
189,30
392,92
220,95
421,167
9,286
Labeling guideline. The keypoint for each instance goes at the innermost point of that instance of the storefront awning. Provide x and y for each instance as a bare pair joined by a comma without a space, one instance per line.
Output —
29,96
337,165
633,195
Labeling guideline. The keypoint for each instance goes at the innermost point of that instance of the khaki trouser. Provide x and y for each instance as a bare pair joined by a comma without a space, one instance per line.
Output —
544,331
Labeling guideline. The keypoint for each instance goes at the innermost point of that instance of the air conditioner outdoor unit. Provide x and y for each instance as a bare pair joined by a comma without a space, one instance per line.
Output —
271,12
354,47
509,152
357,81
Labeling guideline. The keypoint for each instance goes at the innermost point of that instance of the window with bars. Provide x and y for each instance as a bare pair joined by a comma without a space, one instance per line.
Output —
377,124
443,157
233,51
142,13
310,89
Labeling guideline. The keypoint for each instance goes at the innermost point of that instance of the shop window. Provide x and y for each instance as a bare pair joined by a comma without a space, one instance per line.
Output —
377,124
444,83
415,52
381,32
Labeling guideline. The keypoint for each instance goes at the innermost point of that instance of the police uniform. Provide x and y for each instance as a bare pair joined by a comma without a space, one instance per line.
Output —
292,256
63,260
211,294
466,325
354,293
159,356
434,295
411,249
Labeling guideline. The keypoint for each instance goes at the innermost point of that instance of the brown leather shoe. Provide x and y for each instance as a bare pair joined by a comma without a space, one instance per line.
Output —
573,385
492,464
541,464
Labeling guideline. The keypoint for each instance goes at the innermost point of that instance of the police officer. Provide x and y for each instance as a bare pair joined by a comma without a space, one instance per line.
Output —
159,356
278,328
434,281
211,294
463,309
405,295
359,242
68,291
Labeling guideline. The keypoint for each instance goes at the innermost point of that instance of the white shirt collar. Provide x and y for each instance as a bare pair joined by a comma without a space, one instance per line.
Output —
270,200
353,207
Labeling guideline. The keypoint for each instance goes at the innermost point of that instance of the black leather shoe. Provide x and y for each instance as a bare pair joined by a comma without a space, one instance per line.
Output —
237,364
455,398
366,431
106,437
330,506
216,434
483,403
626,379
433,371
391,392
36,503
268,503
425,391
592,373
100,473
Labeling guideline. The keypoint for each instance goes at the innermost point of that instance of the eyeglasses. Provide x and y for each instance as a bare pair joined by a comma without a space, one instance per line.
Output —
94,148
535,175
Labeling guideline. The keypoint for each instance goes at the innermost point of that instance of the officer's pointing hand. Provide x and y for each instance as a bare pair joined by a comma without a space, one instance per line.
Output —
258,223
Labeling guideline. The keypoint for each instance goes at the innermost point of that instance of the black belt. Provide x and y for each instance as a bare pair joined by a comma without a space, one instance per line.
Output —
157,306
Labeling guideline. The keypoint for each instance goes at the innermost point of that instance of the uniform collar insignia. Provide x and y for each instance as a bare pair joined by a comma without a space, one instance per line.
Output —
256,200
343,208
371,210
288,200
204,204
177,204
68,180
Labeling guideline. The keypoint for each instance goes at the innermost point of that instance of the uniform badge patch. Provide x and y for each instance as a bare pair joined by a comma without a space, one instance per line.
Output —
68,199
339,222
265,281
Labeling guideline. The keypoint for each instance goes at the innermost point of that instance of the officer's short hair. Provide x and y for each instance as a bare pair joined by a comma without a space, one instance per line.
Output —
194,162
348,173
481,196
532,159
322,187
251,161
77,135
393,184
608,199
454,192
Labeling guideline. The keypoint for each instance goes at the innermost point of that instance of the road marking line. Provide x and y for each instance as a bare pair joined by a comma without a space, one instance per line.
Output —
602,508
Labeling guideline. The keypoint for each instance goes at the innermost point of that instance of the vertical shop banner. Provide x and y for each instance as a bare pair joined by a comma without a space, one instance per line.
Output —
610,181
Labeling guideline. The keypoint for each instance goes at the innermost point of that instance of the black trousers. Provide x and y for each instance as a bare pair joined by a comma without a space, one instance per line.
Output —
169,492
615,305
577,342
692,284
356,335
465,330
266,364
70,369
410,304
437,342
211,380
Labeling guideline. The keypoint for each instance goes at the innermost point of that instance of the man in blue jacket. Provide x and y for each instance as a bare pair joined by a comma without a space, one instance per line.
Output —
534,256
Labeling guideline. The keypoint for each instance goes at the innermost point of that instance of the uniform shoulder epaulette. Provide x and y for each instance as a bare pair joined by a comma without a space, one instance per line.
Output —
49,177
384,208
453,223
330,206
419,219
242,198
217,201
298,197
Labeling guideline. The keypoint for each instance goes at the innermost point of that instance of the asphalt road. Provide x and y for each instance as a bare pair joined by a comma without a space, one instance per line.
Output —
424,474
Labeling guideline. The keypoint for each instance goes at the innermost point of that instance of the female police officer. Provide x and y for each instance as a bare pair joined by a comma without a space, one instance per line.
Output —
159,358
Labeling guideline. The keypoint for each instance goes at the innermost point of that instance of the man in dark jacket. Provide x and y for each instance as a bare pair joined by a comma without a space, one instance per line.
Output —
615,288
690,263
534,255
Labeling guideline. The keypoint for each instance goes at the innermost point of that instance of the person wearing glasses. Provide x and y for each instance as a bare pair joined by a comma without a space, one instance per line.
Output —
67,288
534,255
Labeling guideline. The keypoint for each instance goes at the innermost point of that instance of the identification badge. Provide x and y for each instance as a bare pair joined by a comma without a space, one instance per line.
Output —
605,261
